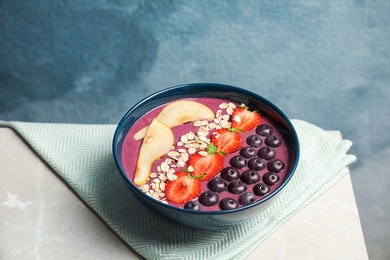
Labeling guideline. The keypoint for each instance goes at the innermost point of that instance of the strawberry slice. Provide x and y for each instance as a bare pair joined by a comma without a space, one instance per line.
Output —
206,167
227,140
244,120
183,189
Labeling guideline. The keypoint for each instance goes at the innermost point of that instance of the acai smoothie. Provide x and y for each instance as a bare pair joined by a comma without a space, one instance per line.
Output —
205,154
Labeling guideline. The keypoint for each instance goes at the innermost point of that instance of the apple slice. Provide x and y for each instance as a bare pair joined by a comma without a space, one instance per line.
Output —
178,113
157,142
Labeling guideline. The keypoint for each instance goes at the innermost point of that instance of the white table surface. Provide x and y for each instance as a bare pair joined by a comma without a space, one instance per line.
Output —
42,218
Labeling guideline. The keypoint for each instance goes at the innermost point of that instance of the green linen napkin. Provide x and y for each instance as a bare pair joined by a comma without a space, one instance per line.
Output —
82,156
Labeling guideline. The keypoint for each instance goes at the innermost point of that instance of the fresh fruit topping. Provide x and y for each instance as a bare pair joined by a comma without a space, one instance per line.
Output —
217,184
248,142
178,113
186,187
267,153
157,142
228,203
273,141
261,189
230,174
264,130
237,187
227,140
270,178
250,177
256,164
238,162
208,198
248,152
275,165
206,166
247,198
192,205
254,141
244,119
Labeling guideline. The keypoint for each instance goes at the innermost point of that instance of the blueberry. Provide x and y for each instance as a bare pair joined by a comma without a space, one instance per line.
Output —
238,162
261,189
256,164
228,203
254,141
273,141
248,152
237,187
217,184
270,178
192,205
230,174
208,198
264,130
275,165
247,198
267,153
250,176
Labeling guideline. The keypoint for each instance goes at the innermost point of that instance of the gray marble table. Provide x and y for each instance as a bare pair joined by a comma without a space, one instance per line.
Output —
41,218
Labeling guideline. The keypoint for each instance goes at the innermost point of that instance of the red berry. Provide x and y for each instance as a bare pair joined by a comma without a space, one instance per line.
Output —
206,167
244,119
183,189
227,141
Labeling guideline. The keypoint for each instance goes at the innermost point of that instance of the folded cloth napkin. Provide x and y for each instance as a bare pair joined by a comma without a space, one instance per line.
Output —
82,156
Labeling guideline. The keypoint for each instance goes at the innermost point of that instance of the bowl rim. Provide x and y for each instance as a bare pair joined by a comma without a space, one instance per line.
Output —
216,86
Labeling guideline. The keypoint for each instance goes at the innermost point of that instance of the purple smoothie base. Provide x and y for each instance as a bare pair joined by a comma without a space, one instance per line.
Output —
131,149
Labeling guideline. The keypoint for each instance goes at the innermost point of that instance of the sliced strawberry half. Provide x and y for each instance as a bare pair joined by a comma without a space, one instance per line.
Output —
227,140
206,166
244,120
183,189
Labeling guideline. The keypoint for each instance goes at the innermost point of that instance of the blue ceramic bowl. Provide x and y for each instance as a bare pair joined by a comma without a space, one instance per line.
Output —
207,219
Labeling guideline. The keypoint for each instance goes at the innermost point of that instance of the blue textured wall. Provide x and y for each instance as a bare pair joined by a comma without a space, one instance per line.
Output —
326,62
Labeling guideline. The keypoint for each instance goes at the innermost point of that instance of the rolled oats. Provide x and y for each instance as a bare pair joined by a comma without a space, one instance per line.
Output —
203,153
190,135
181,164
164,167
184,139
218,114
170,171
203,138
211,126
226,117
229,110
163,177
173,154
232,105
171,176
191,150
223,105
145,187
202,123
